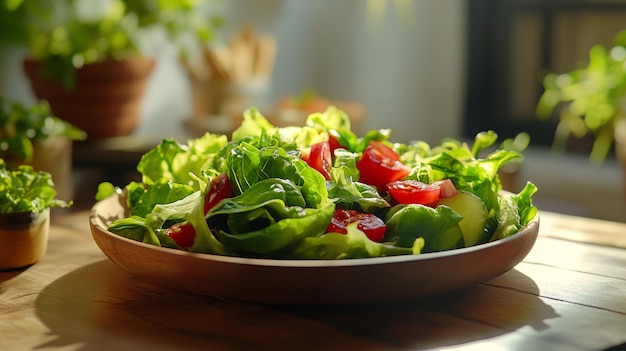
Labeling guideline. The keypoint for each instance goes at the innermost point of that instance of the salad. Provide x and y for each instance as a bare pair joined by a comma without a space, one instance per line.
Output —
319,191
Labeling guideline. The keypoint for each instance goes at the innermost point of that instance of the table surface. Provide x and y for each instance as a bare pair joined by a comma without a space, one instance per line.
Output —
568,294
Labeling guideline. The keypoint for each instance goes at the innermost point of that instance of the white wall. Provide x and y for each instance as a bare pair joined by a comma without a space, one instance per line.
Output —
409,74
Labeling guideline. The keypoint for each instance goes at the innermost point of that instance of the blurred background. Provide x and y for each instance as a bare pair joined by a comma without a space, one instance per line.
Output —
425,69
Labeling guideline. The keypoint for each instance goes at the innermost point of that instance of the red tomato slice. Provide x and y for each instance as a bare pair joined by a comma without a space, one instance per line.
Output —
380,165
414,192
320,158
334,144
369,224
219,189
183,234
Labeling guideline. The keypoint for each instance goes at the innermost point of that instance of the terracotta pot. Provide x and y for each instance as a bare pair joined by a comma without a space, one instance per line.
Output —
23,238
106,99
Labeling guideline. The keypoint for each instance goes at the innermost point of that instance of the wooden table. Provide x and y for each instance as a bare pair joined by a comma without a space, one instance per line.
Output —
568,294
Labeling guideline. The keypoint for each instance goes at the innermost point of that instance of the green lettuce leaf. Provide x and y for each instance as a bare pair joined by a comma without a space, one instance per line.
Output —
250,165
163,191
181,163
274,229
439,227
151,227
337,124
354,244
253,125
352,195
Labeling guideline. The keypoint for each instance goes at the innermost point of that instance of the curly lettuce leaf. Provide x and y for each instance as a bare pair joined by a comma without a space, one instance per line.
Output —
181,163
524,202
462,164
254,124
302,137
337,124
516,211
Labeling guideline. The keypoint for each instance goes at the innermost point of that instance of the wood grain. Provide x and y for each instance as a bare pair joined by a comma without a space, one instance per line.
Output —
566,295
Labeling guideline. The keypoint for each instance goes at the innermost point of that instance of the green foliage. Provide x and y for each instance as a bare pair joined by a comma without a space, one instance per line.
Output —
67,34
21,126
12,17
27,190
281,208
592,98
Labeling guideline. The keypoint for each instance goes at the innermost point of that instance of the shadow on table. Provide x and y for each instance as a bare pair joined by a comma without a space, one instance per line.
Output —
100,306
8,274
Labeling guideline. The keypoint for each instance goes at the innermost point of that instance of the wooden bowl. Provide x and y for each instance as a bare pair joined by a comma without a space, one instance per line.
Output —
309,281
23,238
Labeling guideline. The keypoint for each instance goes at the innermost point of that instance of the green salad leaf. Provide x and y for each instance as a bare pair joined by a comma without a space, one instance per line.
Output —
272,201
281,229
337,123
268,217
350,194
353,244
439,227
181,163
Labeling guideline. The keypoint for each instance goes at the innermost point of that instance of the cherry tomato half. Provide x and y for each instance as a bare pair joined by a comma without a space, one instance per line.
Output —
219,189
183,234
320,158
369,224
416,192
380,165
334,144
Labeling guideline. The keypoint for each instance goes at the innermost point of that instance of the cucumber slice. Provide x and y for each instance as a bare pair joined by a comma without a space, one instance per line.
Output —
474,213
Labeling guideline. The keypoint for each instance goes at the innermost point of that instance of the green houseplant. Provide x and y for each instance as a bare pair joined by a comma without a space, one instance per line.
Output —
89,59
26,197
32,135
23,127
590,100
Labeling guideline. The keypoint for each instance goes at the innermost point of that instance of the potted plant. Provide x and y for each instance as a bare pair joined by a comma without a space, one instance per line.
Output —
590,101
26,197
31,135
88,59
